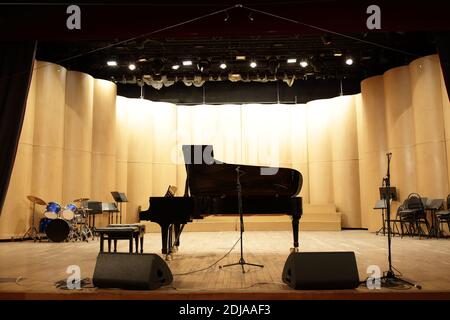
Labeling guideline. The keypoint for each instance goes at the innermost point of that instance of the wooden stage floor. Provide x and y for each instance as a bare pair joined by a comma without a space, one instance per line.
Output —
37,266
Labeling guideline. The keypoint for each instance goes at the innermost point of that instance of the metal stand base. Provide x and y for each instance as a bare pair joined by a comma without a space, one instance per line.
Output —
33,233
242,263
390,280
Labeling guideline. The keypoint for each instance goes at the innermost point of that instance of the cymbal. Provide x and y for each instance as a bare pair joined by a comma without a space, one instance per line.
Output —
37,200
81,200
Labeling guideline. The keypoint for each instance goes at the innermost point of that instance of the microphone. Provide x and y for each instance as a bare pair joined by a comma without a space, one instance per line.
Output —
389,154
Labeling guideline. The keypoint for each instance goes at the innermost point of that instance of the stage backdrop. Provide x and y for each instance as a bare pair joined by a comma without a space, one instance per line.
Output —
80,140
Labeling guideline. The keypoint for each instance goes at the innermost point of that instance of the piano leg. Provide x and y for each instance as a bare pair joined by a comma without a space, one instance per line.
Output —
171,238
177,235
165,238
295,223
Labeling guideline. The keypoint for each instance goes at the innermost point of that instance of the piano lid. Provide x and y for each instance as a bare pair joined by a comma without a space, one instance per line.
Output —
207,176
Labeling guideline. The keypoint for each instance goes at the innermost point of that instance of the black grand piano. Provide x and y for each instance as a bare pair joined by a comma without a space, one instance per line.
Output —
211,188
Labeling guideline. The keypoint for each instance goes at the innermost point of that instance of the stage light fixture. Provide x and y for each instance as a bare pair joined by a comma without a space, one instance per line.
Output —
187,63
175,66
303,63
337,54
253,64
349,61
111,63
132,66
223,66
142,60
203,65
240,58
291,60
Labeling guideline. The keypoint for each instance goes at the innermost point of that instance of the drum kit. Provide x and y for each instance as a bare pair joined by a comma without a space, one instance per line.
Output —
61,224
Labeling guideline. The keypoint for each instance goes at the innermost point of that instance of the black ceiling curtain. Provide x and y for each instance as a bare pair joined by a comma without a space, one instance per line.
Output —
16,68
443,45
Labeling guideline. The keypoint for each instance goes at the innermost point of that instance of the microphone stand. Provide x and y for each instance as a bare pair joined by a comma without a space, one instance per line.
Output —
241,262
390,279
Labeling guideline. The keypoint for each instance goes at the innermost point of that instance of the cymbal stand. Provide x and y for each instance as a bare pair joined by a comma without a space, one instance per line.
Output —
241,261
32,231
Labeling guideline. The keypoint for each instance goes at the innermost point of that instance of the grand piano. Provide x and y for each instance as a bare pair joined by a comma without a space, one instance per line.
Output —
211,189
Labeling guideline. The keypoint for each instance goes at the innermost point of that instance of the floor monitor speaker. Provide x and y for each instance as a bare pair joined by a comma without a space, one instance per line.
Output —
131,271
321,270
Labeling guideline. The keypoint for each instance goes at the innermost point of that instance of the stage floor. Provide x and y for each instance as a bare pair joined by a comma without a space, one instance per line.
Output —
29,270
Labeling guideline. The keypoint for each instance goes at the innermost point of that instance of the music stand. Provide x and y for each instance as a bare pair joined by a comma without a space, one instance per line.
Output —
119,197
381,204
385,191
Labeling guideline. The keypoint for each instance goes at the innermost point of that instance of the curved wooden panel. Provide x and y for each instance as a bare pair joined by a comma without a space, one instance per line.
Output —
372,145
103,164
344,137
320,153
345,156
48,140
347,192
104,117
164,118
432,173
140,155
299,145
400,129
373,135
121,171
446,111
77,136
266,137
427,99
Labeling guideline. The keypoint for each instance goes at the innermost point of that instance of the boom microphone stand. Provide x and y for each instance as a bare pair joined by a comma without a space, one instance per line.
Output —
390,279
241,262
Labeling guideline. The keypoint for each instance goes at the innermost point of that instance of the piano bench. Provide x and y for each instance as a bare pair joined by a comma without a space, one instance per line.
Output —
130,233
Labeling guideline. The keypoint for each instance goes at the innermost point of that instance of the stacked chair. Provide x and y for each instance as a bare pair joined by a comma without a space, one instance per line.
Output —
412,216
443,217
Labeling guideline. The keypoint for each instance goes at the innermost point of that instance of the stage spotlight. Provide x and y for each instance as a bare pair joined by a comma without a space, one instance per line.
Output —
291,60
337,54
175,66
203,65
111,63
349,61
253,64
303,63
142,60
240,58
223,66
187,63
132,66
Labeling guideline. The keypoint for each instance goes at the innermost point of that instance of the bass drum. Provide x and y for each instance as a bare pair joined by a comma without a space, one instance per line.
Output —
58,230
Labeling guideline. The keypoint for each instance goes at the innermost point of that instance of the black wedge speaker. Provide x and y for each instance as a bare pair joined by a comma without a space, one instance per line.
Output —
131,271
321,271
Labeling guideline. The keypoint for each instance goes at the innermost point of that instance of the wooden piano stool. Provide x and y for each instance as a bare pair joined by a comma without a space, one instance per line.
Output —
131,232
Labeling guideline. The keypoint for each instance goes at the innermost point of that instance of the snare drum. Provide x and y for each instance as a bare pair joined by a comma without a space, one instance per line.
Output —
69,211
52,210
58,230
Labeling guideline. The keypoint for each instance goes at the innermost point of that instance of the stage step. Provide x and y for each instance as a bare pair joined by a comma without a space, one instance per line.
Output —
315,218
